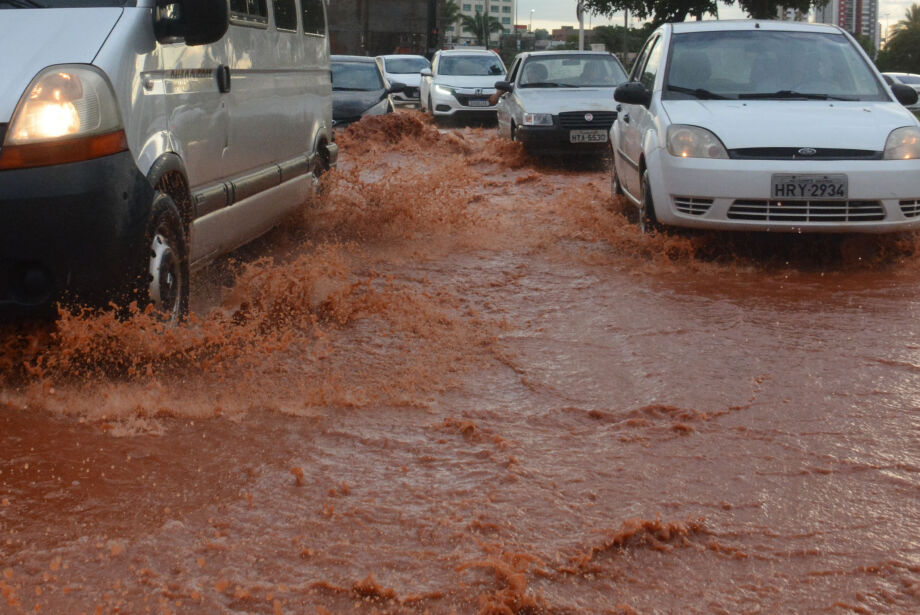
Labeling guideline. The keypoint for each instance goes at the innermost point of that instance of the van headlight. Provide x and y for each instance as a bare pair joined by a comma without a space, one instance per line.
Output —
694,142
538,119
903,144
67,114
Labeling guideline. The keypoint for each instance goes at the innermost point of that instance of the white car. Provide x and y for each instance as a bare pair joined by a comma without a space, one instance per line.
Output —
139,141
560,100
760,125
404,69
461,81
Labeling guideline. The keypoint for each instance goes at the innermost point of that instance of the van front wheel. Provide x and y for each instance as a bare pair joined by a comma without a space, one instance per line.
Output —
164,272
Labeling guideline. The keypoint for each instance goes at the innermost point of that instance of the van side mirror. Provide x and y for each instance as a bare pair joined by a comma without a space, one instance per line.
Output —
196,22
503,86
905,94
633,93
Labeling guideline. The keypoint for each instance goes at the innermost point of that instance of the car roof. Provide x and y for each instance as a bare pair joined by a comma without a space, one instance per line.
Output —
390,56
750,24
467,52
364,59
565,52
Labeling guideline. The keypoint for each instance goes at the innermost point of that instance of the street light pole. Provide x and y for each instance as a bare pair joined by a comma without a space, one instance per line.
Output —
532,11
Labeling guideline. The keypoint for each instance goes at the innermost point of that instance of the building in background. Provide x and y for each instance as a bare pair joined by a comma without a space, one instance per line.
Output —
502,10
376,27
858,17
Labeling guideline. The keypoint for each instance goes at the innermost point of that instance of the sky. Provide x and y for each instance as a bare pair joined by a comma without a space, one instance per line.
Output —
551,14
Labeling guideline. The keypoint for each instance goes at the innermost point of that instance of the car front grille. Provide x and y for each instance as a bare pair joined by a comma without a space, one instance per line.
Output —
464,99
575,120
692,206
411,92
910,208
806,211
795,153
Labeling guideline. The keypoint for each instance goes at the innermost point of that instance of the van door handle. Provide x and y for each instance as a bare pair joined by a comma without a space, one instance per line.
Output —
223,78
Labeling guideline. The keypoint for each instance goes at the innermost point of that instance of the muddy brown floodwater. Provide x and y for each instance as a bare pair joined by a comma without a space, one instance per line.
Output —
463,382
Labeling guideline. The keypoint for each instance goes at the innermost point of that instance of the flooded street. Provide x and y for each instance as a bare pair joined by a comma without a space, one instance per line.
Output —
464,382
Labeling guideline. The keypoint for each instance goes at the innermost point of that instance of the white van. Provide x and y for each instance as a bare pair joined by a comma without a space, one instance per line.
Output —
141,138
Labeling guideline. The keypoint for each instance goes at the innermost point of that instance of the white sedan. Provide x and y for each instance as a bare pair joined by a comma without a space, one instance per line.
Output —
560,100
461,81
760,125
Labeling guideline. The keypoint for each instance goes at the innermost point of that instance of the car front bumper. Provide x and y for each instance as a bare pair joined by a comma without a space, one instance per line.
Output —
71,230
883,195
554,138
462,102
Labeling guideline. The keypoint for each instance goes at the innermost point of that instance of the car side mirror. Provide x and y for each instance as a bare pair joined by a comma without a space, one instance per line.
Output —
397,87
504,86
905,94
196,22
633,93
425,72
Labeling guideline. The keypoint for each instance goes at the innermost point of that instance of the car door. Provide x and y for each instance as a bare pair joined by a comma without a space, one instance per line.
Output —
633,120
505,108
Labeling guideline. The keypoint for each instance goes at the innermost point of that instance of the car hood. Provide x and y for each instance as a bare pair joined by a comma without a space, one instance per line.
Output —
33,39
793,123
349,105
411,79
484,82
559,100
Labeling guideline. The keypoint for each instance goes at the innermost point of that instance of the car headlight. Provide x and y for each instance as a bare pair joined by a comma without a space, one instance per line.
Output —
694,142
443,91
67,114
903,144
538,119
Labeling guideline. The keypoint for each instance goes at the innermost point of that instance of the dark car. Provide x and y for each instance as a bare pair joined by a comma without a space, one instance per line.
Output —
359,89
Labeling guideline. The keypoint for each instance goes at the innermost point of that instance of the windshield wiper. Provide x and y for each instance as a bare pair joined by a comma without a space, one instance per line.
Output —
547,84
698,93
24,4
780,94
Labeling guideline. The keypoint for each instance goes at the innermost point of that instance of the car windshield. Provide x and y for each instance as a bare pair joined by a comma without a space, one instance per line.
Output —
471,66
356,77
909,79
768,64
571,71
405,66
62,4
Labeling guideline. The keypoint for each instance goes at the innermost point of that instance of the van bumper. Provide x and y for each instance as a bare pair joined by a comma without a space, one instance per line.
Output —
71,232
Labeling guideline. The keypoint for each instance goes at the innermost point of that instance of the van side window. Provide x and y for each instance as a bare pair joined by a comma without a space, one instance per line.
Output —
314,21
285,14
249,12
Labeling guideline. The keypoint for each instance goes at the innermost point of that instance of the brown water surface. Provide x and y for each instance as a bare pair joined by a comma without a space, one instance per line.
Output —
463,382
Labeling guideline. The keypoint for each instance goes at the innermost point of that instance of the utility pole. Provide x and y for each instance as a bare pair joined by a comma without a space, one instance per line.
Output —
486,24
580,11
625,36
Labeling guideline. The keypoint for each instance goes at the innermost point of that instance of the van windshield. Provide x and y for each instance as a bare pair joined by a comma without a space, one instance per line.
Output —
62,4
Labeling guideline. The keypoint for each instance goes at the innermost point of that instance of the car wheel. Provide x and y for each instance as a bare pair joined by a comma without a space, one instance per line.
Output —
164,278
648,221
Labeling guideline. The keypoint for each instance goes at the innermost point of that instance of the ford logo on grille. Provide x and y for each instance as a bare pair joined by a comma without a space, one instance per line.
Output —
807,151
589,117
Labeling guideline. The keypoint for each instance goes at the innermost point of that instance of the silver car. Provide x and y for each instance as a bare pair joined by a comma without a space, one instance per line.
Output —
560,100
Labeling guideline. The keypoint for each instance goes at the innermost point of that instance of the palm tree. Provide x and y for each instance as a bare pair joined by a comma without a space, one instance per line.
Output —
450,14
911,21
482,26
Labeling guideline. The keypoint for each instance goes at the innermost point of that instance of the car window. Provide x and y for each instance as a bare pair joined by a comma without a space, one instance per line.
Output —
285,14
909,79
405,66
512,75
650,71
314,20
471,66
760,63
356,77
888,79
639,62
571,70
249,12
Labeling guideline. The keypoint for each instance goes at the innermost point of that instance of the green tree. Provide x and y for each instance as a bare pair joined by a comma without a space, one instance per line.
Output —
902,51
866,43
662,11
541,34
482,26
450,14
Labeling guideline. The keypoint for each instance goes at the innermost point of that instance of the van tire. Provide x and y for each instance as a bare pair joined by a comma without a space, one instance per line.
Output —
163,269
